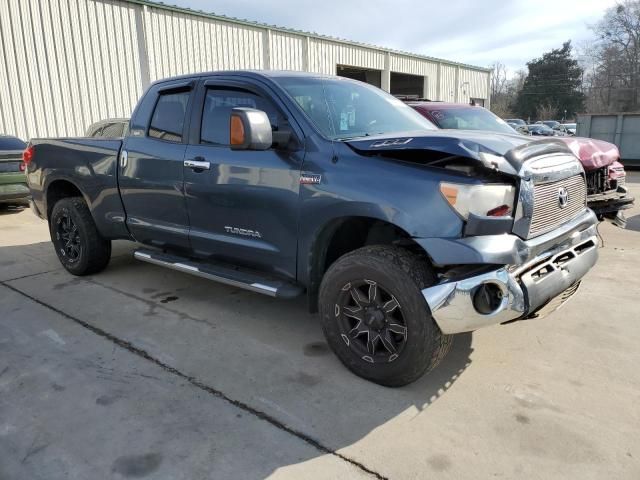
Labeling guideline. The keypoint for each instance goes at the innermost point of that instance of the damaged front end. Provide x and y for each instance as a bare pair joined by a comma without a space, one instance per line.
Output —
607,194
522,265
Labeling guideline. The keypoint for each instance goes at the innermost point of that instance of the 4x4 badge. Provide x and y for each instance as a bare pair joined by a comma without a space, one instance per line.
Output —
310,178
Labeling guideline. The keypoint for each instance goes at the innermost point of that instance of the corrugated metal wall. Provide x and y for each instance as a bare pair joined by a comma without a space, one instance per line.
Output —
65,64
473,84
448,87
325,55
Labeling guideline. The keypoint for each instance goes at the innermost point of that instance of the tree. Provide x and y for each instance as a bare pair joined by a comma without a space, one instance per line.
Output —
547,109
499,98
504,90
614,80
498,79
554,80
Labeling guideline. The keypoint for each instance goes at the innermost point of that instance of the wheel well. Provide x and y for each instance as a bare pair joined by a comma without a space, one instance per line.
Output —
58,190
345,235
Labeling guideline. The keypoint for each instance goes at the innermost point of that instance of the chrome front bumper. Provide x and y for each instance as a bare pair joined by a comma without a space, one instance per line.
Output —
537,287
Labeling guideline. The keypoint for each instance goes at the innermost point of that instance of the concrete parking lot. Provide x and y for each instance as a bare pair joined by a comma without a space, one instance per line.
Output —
142,372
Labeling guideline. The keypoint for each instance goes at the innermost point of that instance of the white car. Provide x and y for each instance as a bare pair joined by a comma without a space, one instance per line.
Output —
570,128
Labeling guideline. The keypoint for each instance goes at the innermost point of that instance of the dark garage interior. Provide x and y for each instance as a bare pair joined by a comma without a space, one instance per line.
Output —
405,84
373,77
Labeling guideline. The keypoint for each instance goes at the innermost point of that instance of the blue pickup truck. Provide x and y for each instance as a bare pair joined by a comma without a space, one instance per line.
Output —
288,183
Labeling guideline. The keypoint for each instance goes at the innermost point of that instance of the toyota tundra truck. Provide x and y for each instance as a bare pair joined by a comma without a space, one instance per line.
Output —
285,184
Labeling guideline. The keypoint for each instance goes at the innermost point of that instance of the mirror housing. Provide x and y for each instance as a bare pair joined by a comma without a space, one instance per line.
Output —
249,129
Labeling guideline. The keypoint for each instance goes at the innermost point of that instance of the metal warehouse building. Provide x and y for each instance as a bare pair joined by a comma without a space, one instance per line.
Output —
65,64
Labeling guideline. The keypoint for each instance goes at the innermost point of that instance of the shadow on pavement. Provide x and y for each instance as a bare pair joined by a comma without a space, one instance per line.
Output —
633,223
265,353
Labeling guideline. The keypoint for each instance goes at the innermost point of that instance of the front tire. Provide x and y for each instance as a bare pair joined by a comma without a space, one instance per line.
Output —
375,318
79,246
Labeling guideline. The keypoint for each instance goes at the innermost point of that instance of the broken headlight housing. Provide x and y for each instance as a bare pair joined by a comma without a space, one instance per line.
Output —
485,200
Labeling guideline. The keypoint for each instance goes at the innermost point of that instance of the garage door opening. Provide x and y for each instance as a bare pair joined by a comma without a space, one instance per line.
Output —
367,75
407,85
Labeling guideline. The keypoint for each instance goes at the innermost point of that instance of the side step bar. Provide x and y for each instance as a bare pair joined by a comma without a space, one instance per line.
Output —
234,276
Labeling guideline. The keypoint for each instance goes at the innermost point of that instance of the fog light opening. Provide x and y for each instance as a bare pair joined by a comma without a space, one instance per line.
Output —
488,298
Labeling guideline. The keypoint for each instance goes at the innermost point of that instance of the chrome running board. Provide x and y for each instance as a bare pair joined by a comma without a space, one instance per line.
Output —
229,275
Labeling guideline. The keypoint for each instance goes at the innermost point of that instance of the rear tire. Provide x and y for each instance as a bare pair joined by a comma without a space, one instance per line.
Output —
375,293
79,246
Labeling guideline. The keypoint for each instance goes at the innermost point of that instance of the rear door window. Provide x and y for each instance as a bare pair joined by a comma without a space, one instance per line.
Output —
167,122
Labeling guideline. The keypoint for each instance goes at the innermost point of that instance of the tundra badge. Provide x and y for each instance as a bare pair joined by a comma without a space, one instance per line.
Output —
243,231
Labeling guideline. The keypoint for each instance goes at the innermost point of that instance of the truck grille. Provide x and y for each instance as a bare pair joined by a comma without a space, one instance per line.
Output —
547,213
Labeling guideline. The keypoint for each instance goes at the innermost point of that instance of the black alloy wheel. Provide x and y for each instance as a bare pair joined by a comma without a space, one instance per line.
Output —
78,244
371,322
375,318
68,237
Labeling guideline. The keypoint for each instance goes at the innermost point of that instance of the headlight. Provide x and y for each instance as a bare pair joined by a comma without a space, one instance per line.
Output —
487,200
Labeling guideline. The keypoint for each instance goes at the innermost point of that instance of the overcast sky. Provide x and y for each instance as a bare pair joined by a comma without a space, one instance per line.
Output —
478,32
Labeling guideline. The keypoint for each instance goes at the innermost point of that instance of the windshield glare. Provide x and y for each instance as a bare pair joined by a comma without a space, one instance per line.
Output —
470,118
343,109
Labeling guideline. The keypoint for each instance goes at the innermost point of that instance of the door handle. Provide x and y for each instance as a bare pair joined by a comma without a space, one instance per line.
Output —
124,157
197,164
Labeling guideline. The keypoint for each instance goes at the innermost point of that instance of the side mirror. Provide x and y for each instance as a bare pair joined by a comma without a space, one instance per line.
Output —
249,129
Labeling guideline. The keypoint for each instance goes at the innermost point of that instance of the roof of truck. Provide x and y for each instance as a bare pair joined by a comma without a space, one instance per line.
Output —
253,73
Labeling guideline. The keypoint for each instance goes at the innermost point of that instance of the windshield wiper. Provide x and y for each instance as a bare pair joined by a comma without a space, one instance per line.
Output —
342,139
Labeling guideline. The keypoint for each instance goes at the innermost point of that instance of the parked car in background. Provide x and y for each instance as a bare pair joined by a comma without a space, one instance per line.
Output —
606,179
570,128
541,130
557,127
517,121
13,183
552,124
564,131
284,183
519,128
110,128
607,193
460,116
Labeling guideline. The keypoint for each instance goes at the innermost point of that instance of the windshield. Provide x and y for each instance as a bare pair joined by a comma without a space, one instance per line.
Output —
343,109
12,143
470,118
569,125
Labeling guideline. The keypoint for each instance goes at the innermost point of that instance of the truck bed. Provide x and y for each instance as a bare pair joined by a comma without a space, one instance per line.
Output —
86,164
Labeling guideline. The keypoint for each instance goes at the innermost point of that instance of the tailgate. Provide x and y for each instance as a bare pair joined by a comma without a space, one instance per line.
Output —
10,161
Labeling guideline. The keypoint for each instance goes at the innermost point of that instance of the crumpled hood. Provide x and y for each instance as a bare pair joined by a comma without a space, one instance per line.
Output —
592,153
514,149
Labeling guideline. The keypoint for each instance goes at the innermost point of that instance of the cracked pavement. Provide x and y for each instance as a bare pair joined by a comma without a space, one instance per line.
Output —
142,372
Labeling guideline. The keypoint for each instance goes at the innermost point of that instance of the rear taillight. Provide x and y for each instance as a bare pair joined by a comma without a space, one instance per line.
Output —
27,156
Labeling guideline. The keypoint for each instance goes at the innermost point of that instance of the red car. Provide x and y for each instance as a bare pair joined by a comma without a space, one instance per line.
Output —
606,190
